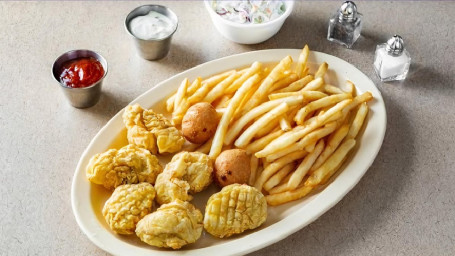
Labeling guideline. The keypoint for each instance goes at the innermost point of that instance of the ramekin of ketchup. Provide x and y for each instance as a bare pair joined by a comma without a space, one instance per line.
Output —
80,74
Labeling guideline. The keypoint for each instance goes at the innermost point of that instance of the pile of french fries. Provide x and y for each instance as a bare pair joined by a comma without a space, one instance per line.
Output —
297,128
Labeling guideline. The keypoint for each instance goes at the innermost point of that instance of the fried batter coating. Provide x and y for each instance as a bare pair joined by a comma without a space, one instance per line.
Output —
187,173
234,209
137,132
128,165
127,205
168,138
173,225
150,130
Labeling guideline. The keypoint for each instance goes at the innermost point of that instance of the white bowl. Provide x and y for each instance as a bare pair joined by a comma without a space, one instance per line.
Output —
248,33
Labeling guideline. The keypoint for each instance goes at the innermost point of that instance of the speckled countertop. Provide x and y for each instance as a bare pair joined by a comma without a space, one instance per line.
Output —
404,205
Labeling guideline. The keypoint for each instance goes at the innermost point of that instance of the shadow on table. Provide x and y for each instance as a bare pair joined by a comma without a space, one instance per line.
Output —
181,57
108,105
367,207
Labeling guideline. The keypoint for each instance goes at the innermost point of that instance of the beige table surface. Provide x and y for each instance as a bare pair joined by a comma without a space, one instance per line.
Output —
404,205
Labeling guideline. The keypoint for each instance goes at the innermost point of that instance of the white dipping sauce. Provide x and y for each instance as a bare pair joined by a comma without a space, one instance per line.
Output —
154,25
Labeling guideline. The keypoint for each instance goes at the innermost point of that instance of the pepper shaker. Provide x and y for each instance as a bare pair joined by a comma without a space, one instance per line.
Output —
391,61
345,25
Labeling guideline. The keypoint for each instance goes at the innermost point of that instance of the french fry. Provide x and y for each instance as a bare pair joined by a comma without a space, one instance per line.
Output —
194,86
322,70
301,63
170,103
321,103
297,85
243,140
330,166
351,88
358,121
238,125
279,176
307,95
284,82
259,144
305,141
284,123
220,112
267,129
254,69
206,86
181,92
288,196
218,138
305,166
273,167
221,102
330,89
220,88
298,132
310,147
261,93
254,162
282,186
244,101
205,148
333,142
314,85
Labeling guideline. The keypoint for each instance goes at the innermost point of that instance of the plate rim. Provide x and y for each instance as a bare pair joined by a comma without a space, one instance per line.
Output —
267,237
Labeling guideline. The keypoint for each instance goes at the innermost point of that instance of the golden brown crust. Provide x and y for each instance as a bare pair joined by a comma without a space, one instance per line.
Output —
187,173
234,209
173,225
128,165
127,205
199,123
232,166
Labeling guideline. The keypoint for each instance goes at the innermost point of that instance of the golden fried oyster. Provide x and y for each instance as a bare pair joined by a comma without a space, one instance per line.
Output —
234,209
187,173
137,133
128,165
173,225
150,130
127,205
168,138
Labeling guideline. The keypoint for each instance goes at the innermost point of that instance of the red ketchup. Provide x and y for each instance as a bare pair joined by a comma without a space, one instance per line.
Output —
81,72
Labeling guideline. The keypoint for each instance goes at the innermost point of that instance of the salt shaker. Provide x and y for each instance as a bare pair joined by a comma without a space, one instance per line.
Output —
345,25
391,60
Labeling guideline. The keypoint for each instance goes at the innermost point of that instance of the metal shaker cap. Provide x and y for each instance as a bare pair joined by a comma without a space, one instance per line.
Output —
395,45
348,11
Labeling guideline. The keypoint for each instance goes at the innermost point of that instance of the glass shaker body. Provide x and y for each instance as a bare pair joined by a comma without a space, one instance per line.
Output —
344,32
391,67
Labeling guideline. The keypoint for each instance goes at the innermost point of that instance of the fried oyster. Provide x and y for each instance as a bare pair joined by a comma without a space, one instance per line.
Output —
234,209
127,205
150,130
186,174
172,225
128,165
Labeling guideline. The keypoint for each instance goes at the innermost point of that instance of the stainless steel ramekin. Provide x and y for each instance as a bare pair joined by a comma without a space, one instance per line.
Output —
152,49
80,97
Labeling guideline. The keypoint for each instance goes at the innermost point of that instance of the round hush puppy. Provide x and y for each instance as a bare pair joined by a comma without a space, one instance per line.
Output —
199,123
232,166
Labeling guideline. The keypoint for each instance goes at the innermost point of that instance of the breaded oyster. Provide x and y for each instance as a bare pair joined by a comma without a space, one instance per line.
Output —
137,133
128,165
127,205
173,225
187,173
234,209
150,130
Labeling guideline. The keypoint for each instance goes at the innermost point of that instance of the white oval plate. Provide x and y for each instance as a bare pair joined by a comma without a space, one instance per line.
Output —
88,199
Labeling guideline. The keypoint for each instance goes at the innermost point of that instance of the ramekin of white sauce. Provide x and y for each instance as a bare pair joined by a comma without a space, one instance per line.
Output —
152,27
